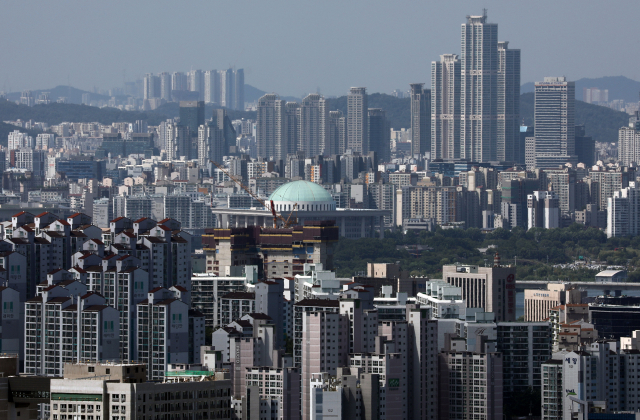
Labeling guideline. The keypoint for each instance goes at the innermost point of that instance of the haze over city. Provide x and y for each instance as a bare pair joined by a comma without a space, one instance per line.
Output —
295,48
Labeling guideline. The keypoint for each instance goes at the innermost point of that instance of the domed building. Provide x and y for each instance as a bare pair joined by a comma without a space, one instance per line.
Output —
314,203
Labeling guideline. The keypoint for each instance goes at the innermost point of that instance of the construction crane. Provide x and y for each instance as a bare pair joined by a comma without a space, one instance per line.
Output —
286,223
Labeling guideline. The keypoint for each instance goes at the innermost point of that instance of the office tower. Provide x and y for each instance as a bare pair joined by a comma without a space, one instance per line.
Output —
479,93
445,107
228,132
210,144
508,103
379,134
151,86
196,83
337,134
543,210
357,124
271,136
491,288
420,119
178,81
31,160
623,212
211,87
238,90
165,86
554,122
586,147
226,88
192,115
313,125
290,132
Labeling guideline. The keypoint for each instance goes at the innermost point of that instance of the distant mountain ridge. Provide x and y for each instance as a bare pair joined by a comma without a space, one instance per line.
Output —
620,87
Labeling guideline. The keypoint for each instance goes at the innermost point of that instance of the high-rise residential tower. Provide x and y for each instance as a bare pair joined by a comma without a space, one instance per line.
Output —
151,86
554,121
357,120
479,93
508,103
165,86
211,87
196,83
379,134
313,125
445,107
226,88
178,81
336,138
270,141
420,119
238,89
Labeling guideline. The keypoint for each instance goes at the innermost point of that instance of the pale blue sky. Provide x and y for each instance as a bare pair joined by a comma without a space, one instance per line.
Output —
295,47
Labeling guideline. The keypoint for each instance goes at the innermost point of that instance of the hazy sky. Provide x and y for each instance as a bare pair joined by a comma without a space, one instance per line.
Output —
295,47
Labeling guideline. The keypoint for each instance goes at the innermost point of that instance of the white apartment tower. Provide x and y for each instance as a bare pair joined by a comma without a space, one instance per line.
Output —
211,87
508,103
420,119
165,86
445,107
479,93
555,122
358,120
623,212
270,141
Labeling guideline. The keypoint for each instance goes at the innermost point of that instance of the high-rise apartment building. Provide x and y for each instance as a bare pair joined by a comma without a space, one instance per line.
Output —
445,107
210,144
196,83
623,212
238,90
226,88
313,125
165,86
479,93
178,81
357,120
379,134
508,103
211,87
543,210
337,137
271,139
420,119
151,86
178,141
291,127
554,122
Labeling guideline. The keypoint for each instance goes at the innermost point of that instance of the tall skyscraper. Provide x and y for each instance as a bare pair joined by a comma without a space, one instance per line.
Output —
178,141
238,89
479,93
211,144
178,81
165,86
379,134
269,127
357,120
337,134
508,103
554,122
445,107
290,128
420,119
226,88
151,86
313,124
192,115
196,83
211,87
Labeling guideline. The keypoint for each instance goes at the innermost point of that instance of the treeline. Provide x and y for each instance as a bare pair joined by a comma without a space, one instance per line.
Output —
535,251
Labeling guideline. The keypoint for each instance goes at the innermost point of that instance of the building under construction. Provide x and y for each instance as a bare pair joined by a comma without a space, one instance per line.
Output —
278,253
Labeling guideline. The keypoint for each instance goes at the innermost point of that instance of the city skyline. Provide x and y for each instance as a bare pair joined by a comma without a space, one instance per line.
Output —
315,65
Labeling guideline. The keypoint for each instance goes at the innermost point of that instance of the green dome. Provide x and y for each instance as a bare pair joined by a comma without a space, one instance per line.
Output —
301,191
